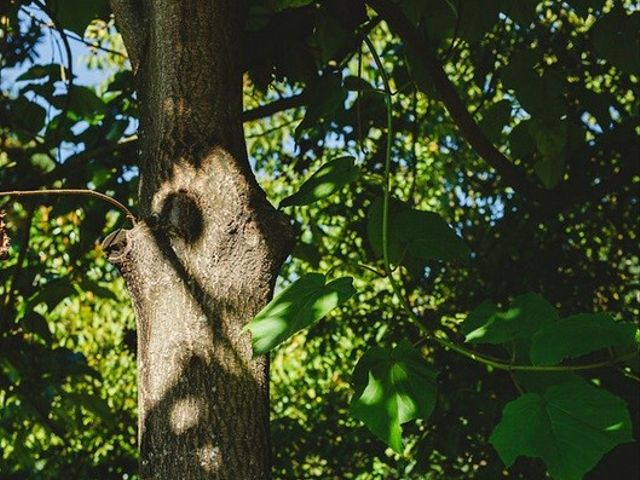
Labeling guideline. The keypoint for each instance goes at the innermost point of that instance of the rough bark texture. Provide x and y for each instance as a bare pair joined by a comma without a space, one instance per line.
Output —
204,259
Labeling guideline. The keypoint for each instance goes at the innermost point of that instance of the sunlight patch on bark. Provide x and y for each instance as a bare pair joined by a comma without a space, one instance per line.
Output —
185,414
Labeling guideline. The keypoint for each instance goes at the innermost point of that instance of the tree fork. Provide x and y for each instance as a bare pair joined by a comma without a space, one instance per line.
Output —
204,258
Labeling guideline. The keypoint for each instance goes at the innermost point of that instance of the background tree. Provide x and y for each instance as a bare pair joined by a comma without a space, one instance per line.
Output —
515,122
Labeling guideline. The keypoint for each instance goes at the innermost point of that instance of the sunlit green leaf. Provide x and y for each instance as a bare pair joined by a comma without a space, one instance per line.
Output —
305,301
570,427
527,314
392,387
330,178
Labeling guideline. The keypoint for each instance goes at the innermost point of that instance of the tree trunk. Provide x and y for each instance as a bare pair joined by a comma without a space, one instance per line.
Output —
204,258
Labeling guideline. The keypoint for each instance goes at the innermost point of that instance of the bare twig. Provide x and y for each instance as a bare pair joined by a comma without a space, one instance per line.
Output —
73,191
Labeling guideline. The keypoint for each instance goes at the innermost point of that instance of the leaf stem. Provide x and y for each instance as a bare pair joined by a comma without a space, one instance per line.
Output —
396,287
72,191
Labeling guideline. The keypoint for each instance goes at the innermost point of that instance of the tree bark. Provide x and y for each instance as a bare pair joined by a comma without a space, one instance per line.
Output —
204,258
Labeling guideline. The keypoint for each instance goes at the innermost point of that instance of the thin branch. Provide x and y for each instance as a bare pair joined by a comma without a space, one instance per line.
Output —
73,191
97,46
74,36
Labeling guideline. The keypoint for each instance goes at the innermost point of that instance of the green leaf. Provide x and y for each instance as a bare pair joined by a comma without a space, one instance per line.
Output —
284,4
550,171
616,39
477,18
413,9
330,178
75,15
578,335
521,142
36,323
439,19
392,387
38,72
570,426
494,120
27,115
326,98
305,301
354,84
414,235
521,11
84,104
527,314
95,404
550,136
330,37
52,293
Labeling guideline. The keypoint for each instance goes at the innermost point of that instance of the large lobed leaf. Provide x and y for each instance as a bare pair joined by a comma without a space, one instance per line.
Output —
570,427
528,313
392,387
578,335
415,236
305,301
549,340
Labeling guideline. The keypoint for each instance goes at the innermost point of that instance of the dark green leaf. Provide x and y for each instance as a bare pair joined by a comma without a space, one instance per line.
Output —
521,143
52,294
305,301
578,335
36,323
550,171
414,234
330,178
84,104
75,15
354,83
330,37
476,18
528,313
521,11
494,120
615,37
284,4
38,72
326,98
27,115
571,426
392,387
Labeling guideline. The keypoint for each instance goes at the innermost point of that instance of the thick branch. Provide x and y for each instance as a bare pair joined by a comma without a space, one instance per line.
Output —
274,107
449,96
